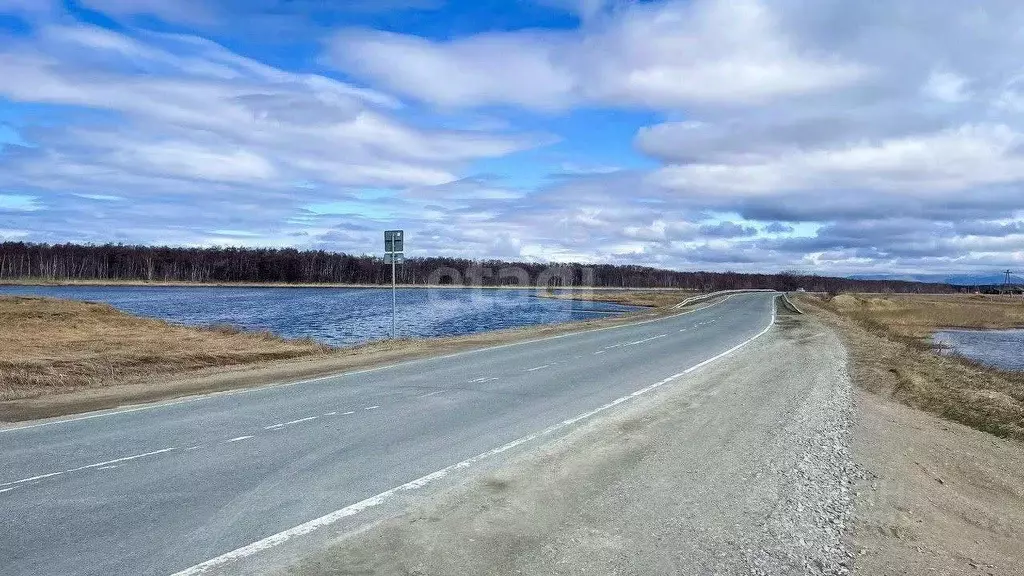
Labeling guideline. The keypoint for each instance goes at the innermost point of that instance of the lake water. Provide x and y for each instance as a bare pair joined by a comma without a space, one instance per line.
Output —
337,316
1002,349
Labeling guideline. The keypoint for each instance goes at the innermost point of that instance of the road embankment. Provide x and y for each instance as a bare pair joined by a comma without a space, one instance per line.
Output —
890,334
61,357
934,495
742,467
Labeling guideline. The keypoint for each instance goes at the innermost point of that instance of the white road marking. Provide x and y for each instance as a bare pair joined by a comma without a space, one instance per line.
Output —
289,423
429,394
8,489
353,509
598,352
535,368
331,414
239,439
476,380
108,467
371,407
613,346
683,330
646,340
241,391
347,413
125,459
23,480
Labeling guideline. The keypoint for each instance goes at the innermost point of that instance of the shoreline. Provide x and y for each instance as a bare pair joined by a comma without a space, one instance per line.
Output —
164,382
177,284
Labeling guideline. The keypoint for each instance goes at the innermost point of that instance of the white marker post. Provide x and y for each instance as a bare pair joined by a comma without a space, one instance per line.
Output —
394,248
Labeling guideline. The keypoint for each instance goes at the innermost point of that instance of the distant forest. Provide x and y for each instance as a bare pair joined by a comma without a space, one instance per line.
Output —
115,262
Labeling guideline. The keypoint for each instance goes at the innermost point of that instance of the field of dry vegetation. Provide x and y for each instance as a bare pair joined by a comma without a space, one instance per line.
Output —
645,298
889,337
50,346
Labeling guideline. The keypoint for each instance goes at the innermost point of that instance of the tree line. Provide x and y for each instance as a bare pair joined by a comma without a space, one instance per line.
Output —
117,262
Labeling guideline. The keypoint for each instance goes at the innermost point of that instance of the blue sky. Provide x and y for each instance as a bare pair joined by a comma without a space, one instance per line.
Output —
753,135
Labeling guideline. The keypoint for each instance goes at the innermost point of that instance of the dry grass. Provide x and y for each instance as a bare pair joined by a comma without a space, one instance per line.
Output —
644,298
918,316
50,346
887,337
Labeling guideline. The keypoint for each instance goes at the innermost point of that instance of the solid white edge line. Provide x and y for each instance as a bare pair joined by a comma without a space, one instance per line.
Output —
197,398
353,509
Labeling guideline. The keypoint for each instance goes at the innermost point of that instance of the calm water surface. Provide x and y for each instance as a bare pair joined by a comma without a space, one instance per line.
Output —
1002,349
335,315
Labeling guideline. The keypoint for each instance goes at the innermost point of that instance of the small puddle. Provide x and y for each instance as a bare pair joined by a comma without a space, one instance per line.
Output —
1003,349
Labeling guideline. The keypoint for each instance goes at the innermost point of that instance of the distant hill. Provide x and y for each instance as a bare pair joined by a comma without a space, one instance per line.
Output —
954,279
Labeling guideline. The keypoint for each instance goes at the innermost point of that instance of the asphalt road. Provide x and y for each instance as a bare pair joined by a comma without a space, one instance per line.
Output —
161,489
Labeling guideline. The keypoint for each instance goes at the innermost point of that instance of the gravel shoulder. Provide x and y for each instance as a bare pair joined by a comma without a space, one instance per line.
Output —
743,467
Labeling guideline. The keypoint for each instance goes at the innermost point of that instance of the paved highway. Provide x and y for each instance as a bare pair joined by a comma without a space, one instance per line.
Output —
167,487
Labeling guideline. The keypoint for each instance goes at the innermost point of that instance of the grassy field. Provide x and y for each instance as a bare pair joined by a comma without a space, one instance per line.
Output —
645,298
50,346
888,337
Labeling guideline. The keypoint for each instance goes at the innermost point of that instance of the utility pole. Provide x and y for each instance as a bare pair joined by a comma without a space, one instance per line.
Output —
1006,283
394,252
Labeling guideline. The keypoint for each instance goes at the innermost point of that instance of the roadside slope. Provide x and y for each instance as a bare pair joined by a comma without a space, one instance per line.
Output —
742,467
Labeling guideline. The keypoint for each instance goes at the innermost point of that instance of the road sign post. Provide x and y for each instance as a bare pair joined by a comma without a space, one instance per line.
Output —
394,252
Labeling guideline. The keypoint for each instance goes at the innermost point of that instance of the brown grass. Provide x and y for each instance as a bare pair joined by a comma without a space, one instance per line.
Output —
644,298
892,355
918,316
50,346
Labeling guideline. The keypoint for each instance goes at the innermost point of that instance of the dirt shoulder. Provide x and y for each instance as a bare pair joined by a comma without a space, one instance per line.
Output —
934,496
741,467
60,357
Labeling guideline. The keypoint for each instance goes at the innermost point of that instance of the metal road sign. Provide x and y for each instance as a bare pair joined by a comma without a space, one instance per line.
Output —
394,241
394,246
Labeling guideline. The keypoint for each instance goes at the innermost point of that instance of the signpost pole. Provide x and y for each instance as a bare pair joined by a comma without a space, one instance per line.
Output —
394,248
394,299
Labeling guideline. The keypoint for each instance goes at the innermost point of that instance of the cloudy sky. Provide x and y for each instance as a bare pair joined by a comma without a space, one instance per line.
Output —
828,136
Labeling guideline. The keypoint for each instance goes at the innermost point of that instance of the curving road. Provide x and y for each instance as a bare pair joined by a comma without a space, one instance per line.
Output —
191,485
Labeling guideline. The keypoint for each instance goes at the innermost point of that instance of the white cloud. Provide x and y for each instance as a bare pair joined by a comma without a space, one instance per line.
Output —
946,87
927,165
659,55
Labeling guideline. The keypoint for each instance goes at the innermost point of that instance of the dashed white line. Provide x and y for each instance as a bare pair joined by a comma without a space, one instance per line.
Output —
289,423
108,467
429,394
349,412
23,480
8,489
96,465
535,368
331,414
125,459
598,352
239,439
371,407
646,340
